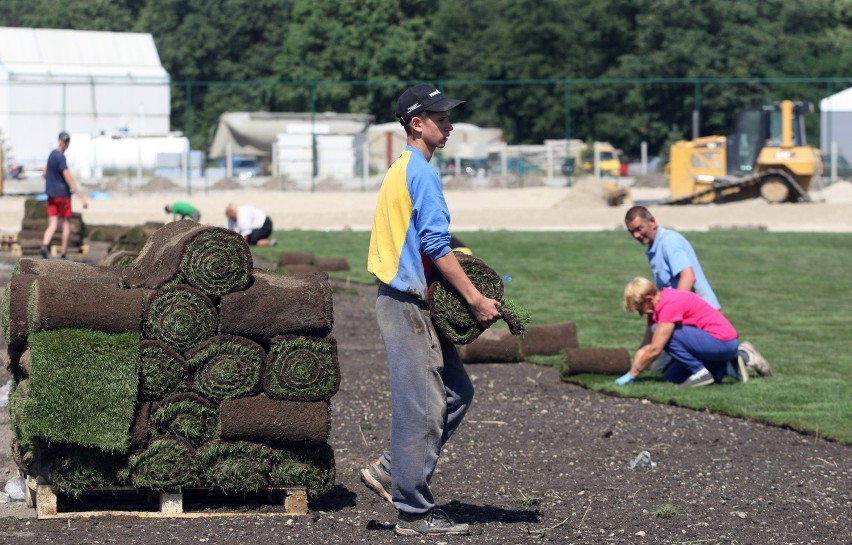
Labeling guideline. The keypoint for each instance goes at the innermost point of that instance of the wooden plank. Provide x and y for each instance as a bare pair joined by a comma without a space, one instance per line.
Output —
30,489
171,505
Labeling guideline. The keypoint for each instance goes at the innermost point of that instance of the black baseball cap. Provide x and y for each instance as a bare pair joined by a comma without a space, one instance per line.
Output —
423,97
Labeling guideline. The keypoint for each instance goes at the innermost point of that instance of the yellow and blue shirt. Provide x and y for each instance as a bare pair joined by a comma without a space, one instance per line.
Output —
411,225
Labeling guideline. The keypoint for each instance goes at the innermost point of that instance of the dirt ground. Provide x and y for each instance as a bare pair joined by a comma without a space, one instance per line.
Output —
536,460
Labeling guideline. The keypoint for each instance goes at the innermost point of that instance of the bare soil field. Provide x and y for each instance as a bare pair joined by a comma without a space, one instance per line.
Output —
537,460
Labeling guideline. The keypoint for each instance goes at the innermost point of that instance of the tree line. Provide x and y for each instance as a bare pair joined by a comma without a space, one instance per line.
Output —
622,67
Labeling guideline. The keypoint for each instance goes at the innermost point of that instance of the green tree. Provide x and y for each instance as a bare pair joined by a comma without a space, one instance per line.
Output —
523,40
219,50
108,15
339,41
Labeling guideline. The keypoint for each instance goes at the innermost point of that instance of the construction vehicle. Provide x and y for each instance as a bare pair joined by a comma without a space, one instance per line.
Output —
767,156
608,162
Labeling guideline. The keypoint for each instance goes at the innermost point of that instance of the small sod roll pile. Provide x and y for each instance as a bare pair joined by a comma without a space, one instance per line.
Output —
183,368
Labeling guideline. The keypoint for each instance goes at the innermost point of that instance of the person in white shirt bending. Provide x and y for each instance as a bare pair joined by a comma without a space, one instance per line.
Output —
252,223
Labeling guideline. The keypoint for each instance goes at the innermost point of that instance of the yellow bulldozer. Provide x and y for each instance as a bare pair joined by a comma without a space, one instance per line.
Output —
767,156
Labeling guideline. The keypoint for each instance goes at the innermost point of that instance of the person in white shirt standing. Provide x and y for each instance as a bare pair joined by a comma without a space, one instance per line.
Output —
252,223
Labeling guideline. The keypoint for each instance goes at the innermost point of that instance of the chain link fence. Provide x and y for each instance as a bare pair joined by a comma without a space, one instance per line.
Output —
131,137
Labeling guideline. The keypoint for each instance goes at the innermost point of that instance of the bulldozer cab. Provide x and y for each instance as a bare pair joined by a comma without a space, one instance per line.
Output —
776,125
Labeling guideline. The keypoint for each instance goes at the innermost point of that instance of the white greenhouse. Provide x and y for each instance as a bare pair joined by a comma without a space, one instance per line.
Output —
82,82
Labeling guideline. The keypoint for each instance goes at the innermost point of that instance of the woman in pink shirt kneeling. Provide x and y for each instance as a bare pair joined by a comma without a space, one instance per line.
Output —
700,340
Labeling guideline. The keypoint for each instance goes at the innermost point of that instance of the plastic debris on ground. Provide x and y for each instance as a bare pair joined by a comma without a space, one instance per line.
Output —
16,489
642,461
4,393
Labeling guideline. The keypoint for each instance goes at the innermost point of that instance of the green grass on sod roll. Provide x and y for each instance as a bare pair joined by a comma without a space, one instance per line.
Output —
217,262
225,368
187,419
236,466
167,464
301,368
312,468
83,387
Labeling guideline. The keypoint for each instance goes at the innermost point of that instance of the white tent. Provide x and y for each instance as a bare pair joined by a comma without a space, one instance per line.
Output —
387,140
836,123
82,82
254,133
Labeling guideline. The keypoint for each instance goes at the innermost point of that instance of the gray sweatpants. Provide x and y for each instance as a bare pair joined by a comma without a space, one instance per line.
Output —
430,394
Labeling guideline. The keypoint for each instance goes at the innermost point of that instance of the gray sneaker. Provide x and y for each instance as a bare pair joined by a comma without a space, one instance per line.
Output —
435,523
378,480
45,252
701,378
754,360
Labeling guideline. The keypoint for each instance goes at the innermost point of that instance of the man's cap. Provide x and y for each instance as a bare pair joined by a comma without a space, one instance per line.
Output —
420,98
64,136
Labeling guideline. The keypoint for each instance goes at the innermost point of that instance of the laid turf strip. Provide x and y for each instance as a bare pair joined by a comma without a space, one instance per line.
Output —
549,339
226,366
56,303
212,259
612,361
186,415
83,387
302,369
295,258
167,464
331,263
492,346
237,466
311,467
164,371
274,422
274,305
181,317
297,270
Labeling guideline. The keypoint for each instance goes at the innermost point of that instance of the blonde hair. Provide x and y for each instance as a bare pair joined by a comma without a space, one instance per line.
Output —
231,208
635,293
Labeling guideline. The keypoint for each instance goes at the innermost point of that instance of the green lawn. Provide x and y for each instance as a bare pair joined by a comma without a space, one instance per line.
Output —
788,293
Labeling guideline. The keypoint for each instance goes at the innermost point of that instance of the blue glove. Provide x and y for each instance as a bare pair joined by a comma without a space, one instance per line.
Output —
626,378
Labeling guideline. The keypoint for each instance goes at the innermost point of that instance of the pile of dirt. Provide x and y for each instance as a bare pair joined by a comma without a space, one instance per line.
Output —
159,184
838,192
226,183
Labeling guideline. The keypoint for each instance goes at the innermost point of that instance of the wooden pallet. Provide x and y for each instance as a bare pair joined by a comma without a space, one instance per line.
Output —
190,503
19,251
7,240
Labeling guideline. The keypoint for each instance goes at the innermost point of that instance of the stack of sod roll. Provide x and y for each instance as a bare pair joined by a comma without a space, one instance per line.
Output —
35,222
186,368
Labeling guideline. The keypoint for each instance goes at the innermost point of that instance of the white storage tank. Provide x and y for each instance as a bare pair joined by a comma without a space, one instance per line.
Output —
95,157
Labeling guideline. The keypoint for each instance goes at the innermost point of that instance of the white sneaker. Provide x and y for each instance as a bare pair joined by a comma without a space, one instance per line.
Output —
701,378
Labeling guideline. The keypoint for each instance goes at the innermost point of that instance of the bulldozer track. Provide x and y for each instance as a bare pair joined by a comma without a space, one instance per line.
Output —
798,193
